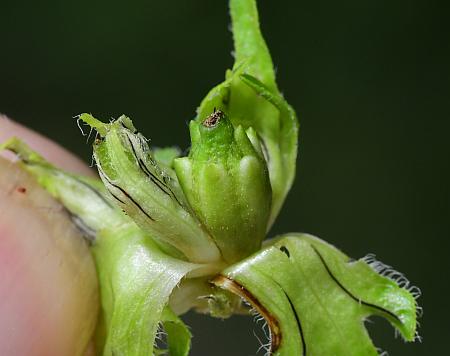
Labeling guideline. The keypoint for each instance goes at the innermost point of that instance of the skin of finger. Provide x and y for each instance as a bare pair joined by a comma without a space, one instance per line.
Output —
50,150
48,284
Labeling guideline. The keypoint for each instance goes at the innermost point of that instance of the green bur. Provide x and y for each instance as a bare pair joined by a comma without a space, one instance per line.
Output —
171,234
227,184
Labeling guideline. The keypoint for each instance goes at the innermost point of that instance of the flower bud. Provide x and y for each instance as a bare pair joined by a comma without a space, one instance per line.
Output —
226,183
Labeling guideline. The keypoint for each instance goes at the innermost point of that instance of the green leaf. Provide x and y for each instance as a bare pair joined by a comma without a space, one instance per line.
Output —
250,97
315,299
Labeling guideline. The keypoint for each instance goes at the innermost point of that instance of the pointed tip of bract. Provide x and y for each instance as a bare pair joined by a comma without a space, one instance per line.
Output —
99,126
22,151
103,128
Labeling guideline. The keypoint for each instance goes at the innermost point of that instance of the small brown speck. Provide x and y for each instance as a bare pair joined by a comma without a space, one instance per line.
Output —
213,119
22,190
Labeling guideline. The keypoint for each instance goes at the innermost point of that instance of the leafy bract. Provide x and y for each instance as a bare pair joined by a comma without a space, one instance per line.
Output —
136,280
315,299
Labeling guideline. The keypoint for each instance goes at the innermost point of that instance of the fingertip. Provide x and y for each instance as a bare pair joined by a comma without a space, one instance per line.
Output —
48,283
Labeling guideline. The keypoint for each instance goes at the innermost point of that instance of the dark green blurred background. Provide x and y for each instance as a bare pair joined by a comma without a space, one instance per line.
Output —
369,80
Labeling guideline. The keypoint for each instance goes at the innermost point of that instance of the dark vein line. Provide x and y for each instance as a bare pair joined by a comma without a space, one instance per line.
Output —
349,293
285,251
134,201
87,232
126,194
96,192
264,148
298,322
144,148
145,169
127,128
160,184
153,178
116,197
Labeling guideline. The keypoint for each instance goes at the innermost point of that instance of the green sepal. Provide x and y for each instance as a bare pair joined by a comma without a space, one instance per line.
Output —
148,192
315,299
250,97
226,183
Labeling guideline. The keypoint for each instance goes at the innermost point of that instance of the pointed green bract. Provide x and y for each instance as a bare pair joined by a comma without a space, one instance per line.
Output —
226,183
274,121
148,193
315,299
